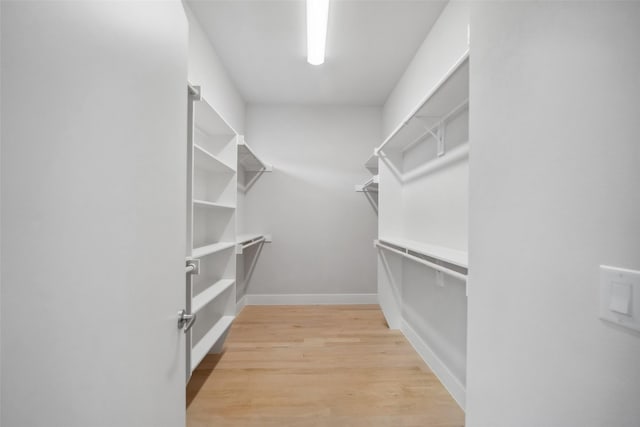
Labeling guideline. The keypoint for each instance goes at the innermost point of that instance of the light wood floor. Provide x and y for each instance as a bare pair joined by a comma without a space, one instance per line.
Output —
320,366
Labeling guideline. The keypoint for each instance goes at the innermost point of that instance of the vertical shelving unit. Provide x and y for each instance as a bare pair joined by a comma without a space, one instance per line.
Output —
423,216
211,222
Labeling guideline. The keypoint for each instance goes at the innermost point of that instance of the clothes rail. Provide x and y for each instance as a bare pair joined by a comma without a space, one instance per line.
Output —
405,253
250,243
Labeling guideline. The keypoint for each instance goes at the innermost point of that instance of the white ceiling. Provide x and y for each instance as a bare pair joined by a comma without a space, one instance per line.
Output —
262,43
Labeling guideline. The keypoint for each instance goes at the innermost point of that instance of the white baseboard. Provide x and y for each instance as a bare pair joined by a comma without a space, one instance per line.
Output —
310,299
240,304
446,377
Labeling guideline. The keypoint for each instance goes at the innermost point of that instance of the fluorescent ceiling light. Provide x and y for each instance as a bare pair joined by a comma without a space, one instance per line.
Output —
317,17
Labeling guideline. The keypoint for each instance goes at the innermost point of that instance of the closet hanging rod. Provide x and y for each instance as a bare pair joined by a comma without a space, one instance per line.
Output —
253,242
436,267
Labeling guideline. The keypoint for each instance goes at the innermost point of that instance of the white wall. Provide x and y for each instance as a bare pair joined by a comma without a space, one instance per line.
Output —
445,43
206,70
322,229
554,194
435,203
0,227
438,316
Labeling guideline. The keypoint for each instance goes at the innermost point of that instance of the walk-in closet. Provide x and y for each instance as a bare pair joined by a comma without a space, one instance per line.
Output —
319,213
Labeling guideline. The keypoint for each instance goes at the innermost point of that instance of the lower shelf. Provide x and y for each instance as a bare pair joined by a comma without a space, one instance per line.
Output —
210,294
207,204
204,345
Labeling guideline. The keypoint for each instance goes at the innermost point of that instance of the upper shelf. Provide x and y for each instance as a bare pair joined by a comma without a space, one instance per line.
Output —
206,118
249,160
372,164
252,166
207,161
449,96
370,185
243,241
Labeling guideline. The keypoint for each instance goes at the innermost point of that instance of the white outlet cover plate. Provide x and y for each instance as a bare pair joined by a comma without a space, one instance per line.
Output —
614,278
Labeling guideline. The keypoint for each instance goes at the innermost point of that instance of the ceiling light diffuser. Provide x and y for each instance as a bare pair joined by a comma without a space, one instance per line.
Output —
317,19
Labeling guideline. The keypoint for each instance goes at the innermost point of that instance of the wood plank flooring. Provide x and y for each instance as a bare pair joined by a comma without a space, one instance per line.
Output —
317,366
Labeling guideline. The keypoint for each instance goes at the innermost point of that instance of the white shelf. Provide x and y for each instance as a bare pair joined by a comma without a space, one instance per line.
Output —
446,99
208,120
249,160
371,185
244,241
212,178
206,342
205,204
246,238
372,164
207,161
451,256
211,293
210,249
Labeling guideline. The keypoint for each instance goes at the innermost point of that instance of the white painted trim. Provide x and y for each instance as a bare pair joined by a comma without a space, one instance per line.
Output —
240,304
311,299
446,377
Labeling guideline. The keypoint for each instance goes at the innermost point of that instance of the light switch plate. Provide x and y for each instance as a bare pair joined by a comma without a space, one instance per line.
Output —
620,299
620,294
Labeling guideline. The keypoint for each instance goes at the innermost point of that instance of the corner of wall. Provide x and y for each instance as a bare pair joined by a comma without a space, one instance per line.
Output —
207,70
445,43
0,306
